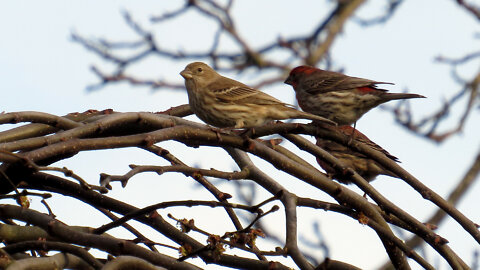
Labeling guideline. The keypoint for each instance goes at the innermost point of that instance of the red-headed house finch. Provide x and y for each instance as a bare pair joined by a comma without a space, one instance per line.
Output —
363,165
226,103
336,96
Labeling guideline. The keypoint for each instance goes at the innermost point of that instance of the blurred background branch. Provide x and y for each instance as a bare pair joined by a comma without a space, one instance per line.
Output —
28,150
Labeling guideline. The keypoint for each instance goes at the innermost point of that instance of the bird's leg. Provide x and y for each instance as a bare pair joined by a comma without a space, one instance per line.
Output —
218,131
232,130
352,136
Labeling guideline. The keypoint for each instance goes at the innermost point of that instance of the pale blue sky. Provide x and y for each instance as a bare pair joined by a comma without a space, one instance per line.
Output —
42,70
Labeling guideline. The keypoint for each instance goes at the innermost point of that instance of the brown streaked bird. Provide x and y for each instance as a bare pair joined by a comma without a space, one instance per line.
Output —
366,167
336,96
225,103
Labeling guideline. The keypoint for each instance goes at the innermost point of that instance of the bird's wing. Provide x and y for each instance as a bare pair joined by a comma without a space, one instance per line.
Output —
329,81
228,90
359,136
380,149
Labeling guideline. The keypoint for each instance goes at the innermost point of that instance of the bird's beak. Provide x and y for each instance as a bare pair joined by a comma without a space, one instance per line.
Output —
288,81
186,74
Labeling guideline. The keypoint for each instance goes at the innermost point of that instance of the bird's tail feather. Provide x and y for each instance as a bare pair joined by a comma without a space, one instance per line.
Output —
393,96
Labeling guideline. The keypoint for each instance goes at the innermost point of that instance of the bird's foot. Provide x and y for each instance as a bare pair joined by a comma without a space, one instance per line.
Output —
219,131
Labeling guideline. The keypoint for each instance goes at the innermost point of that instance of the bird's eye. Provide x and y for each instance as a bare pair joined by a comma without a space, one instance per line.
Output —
199,69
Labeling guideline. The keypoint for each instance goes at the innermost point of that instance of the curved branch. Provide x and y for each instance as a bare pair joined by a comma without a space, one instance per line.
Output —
53,183
108,244
48,245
